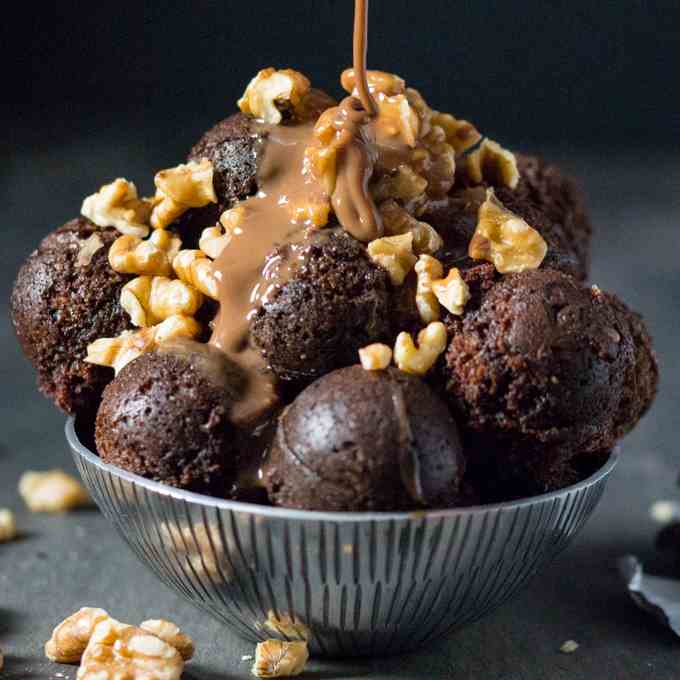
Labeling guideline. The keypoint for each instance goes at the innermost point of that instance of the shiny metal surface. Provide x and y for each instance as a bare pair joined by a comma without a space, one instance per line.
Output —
352,583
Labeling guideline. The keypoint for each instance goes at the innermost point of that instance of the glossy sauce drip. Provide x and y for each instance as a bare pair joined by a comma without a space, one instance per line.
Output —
360,45
270,245
250,269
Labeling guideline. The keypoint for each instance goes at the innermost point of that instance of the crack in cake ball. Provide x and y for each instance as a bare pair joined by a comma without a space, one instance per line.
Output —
542,371
338,302
166,417
365,440
66,296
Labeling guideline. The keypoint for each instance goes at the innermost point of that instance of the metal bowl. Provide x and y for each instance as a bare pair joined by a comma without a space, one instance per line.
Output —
351,583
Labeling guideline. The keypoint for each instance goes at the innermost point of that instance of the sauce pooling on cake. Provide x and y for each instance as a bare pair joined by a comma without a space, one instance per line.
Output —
292,203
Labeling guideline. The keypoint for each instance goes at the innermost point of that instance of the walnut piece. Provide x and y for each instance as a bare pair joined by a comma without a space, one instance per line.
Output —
170,633
117,205
8,525
69,639
152,299
272,92
286,625
278,659
431,343
214,239
131,255
397,220
194,267
120,351
378,81
569,647
117,651
451,292
505,239
427,269
404,184
185,186
88,248
460,134
492,163
395,254
375,357
396,121
52,491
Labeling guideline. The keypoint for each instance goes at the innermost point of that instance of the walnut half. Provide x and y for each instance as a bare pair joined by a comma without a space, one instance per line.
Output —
279,659
69,639
117,651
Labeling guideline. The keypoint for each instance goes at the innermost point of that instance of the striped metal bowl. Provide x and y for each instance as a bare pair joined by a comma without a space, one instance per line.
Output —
350,583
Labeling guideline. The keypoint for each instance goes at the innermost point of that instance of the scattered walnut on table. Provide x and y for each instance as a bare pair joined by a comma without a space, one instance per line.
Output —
117,651
279,659
8,525
170,633
69,639
52,491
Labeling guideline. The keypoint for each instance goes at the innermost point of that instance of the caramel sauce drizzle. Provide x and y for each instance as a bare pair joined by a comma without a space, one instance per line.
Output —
250,270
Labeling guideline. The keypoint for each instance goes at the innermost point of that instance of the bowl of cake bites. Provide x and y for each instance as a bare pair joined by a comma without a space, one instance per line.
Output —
342,377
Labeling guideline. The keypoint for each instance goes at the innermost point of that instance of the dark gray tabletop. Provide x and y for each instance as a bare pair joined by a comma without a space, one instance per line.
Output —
64,562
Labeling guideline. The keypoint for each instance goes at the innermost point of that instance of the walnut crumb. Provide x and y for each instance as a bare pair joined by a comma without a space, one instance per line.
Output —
52,491
8,526
88,248
375,357
569,647
279,659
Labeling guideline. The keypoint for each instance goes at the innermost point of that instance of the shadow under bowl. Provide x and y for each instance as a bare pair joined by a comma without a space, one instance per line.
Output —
353,584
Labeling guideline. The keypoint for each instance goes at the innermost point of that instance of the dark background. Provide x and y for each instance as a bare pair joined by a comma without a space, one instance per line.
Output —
91,91
572,72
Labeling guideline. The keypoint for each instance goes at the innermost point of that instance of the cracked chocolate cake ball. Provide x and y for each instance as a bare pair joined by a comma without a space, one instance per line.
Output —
365,440
545,198
233,146
336,303
166,417
66,296
544,370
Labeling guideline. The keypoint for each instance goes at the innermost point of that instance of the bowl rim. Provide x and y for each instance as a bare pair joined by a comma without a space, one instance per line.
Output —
320,515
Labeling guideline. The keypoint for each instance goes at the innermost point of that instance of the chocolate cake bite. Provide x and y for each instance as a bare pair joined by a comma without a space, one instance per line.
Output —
540,373
337,302
66,296
365,440
166,417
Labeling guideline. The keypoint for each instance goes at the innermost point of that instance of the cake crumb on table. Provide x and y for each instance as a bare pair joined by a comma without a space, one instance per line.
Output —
569,647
